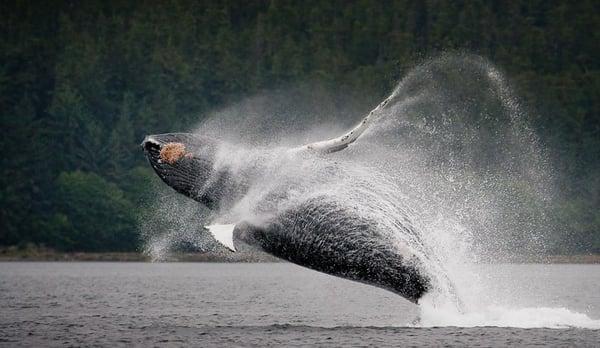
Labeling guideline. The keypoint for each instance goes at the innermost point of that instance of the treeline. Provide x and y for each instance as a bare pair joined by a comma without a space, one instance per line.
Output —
81,83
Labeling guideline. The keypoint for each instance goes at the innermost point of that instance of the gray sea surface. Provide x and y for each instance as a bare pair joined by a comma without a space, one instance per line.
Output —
279,304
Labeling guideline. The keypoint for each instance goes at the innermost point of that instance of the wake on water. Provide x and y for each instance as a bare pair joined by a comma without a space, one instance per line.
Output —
451,156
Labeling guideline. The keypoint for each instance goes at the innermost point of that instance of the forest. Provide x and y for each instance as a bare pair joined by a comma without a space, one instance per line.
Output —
82,82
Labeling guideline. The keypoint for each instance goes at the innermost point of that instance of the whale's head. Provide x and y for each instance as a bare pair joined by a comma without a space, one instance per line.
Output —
185,162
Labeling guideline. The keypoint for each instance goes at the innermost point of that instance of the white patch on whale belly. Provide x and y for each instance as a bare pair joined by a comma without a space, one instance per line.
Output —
223,234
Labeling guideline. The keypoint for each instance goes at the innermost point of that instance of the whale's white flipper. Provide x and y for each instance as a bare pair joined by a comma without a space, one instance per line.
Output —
340,143
223,234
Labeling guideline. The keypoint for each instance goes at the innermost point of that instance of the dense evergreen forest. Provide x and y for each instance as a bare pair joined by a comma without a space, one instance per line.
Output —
81,83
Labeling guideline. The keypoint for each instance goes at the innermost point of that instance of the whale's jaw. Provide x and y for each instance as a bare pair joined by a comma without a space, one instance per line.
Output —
183,161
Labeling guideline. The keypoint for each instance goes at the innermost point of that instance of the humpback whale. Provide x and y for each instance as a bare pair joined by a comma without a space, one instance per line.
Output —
318,231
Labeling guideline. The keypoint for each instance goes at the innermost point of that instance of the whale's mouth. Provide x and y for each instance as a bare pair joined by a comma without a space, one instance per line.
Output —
153,146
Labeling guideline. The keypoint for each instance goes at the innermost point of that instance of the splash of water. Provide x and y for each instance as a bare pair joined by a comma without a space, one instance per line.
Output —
492,315
171,222
451,156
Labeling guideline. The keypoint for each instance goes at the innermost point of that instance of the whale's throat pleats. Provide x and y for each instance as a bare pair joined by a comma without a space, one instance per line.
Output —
219,191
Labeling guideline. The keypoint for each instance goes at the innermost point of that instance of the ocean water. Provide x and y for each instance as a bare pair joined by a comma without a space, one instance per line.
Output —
209,304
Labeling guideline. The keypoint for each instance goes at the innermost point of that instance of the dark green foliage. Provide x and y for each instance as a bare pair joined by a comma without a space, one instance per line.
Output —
93,214
81,83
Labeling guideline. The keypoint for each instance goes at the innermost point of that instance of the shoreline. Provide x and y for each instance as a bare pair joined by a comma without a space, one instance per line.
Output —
48,255
41,255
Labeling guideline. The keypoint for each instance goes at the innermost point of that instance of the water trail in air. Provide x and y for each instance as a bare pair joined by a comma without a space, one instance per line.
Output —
449,168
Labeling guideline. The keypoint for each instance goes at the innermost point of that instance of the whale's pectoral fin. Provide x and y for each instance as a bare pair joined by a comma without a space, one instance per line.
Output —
340,143
223,234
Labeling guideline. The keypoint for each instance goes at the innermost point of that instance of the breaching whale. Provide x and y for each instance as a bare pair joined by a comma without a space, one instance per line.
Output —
318,232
